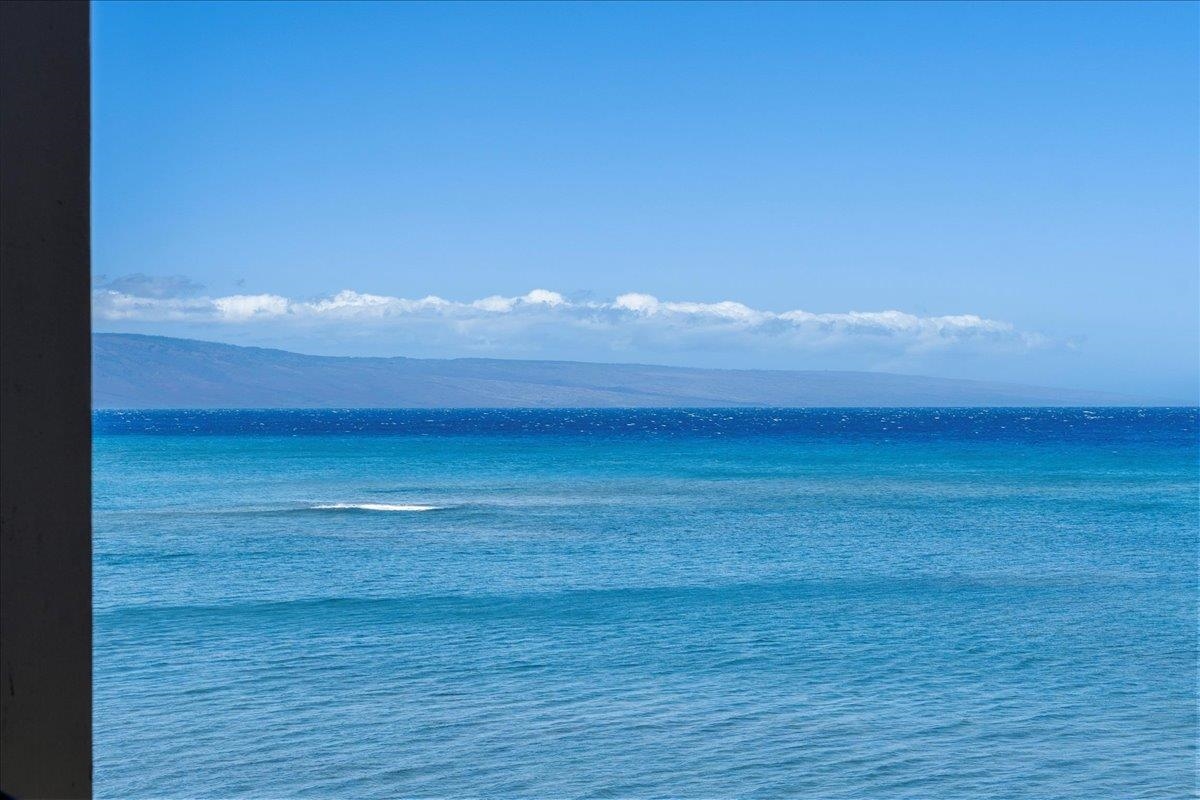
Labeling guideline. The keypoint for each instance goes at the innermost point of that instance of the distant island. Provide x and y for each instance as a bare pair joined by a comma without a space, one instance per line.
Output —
135,371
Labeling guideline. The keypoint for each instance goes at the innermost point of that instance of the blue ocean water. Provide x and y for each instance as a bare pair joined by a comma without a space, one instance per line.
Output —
690,604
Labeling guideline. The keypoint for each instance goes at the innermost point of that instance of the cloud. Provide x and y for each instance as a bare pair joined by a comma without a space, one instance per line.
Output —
155,286
242,307
547,321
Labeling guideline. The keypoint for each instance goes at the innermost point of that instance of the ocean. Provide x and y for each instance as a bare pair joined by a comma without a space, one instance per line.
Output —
916,603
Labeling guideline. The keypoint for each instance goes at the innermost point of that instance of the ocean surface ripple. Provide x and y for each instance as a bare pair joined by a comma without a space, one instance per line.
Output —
912,603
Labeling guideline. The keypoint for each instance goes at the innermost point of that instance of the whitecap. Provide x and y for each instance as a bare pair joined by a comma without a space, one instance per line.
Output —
376,507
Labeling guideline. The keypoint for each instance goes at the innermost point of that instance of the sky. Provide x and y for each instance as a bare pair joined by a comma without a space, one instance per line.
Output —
992,191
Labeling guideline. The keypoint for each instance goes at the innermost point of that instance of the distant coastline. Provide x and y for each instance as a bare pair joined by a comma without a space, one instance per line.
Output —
135,371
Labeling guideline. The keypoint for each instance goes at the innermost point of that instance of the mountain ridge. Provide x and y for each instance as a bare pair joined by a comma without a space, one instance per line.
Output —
140,371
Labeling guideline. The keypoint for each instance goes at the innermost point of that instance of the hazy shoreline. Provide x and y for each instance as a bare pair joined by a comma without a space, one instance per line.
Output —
134,371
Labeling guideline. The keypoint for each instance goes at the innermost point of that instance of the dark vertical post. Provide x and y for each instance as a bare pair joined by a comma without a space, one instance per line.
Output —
45,417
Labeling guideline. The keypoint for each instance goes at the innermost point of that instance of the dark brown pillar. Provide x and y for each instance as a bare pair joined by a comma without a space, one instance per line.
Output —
45,417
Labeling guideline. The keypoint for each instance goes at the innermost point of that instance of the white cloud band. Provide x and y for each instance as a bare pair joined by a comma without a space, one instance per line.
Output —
627,320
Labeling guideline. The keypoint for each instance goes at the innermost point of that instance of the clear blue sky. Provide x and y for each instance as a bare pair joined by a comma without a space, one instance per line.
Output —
1032,165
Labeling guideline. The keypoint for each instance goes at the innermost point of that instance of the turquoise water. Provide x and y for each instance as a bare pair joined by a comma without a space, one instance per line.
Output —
766,603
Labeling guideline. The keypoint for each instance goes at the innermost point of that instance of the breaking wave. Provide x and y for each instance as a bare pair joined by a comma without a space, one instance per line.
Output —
376,507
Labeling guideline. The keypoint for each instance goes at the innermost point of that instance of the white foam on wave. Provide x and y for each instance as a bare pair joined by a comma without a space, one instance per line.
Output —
376,507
